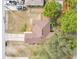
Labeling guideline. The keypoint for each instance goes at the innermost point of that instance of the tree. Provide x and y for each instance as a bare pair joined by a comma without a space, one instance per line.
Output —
52,9
72,3
68,22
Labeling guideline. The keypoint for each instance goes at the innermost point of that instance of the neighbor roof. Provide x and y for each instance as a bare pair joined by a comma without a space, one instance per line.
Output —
34,2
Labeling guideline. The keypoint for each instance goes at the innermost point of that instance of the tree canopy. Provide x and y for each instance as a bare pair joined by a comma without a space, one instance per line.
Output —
68,21
52,9
72,3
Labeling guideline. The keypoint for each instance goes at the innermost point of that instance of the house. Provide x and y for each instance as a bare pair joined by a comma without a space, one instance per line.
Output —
39,24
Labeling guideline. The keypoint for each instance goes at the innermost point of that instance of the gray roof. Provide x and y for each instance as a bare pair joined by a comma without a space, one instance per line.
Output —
34,2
